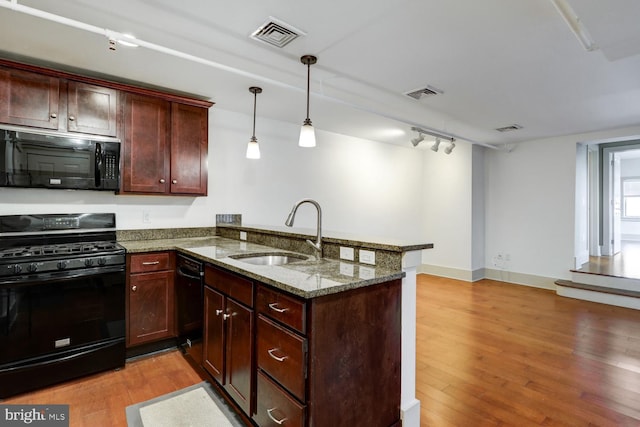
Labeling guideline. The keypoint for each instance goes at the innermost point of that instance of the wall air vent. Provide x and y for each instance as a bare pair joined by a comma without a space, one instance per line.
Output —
424,92
276,33
509,128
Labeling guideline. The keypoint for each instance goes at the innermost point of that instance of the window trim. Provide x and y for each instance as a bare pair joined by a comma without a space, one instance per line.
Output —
623,197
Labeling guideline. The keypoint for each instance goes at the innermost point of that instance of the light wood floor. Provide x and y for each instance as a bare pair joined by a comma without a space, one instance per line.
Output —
100,400
494,354
626,263
489,354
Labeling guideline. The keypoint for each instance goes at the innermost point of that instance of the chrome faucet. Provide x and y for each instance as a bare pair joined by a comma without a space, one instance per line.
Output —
289,223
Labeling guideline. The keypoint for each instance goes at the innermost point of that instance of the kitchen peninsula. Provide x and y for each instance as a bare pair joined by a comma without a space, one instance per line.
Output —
334,339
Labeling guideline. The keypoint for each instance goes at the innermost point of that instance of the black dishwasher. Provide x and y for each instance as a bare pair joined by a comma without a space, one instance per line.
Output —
189,306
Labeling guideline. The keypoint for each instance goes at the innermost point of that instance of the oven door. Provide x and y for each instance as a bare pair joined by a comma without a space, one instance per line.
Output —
56,329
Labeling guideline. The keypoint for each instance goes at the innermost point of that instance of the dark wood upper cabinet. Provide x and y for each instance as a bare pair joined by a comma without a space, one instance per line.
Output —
165,147
189,140
92,109
47,102
29,99
145,159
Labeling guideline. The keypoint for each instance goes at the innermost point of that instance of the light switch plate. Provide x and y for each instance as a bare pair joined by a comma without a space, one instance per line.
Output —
367,257
346,253
243,235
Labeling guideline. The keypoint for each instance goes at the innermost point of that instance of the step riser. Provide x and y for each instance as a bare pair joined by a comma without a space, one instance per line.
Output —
600,297
606,281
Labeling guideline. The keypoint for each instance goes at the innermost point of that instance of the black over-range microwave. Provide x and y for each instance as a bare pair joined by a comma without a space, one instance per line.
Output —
51,160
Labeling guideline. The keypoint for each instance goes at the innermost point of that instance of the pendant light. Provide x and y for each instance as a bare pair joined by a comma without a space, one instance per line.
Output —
307,133
253,149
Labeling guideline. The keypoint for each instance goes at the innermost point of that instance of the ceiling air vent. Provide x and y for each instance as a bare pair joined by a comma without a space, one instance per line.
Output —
509,128
276,33
423,92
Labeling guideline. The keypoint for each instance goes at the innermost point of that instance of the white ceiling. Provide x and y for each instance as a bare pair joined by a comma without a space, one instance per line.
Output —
498,62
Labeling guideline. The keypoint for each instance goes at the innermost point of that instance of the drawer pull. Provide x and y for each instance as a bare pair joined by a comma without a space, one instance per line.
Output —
151,263
279,359
275,420
274,306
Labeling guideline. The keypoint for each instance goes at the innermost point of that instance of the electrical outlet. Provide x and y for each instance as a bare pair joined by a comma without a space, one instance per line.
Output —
346,253
243,235
146,217
367,257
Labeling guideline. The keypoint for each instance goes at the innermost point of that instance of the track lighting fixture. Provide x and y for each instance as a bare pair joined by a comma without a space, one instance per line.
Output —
439,137
307,133
417,140
253,149
450,148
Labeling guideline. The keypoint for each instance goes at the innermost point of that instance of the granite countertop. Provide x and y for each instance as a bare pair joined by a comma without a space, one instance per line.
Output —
308,278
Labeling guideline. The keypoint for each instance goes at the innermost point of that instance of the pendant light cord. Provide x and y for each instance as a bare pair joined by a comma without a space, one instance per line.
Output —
255,98
308,86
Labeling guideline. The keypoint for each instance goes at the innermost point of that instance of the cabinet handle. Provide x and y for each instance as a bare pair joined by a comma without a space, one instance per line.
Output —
275,420
218,312
161,180
279,359
151,263
226,316
174,181
54,115
71,118
134,288
274,306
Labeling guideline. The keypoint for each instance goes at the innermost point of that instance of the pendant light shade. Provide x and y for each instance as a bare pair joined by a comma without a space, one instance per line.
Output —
253,149
307,133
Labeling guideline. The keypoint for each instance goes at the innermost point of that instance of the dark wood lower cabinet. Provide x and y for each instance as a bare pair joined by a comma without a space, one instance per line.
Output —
283,360
229,335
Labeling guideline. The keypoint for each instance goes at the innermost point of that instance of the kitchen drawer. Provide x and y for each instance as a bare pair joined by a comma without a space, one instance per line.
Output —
283,308
234,286
282,354
274,405
151,261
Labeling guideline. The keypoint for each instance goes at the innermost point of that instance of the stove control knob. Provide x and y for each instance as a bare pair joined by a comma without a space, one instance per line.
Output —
102,261
62,265
32,268
17,269
88,262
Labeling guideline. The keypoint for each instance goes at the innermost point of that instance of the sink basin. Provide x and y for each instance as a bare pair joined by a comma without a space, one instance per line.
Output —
269,259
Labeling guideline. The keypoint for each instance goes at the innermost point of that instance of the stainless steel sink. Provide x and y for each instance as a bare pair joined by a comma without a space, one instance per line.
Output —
278,258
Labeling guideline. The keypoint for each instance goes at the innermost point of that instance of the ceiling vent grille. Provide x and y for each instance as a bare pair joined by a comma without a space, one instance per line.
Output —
276,33
509,128
424,92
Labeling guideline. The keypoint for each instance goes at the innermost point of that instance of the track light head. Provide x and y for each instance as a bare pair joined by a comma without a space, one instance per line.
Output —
450,148
417,140
436,145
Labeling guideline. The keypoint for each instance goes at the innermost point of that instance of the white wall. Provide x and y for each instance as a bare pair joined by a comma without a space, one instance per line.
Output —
447,205
363,186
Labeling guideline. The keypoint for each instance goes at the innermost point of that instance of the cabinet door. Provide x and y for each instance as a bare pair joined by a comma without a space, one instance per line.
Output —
239,355
214,333
29,99
92,109
151,313
145,164
189,149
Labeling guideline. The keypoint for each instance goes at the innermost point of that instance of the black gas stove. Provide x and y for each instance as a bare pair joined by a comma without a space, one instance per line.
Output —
61,244
62,298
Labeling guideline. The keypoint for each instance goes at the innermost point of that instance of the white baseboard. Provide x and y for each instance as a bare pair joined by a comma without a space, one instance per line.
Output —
489,273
